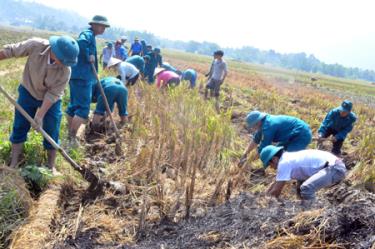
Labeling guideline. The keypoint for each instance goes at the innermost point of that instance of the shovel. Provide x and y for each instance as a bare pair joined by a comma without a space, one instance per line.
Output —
118,149
96,185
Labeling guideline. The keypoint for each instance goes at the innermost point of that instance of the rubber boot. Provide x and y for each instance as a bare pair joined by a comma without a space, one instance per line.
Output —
15,154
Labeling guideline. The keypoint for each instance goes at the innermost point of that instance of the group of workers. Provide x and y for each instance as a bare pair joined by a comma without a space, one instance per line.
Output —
147,61
281,143
52,64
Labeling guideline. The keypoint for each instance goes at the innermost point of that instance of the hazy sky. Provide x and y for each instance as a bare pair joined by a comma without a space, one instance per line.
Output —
340,31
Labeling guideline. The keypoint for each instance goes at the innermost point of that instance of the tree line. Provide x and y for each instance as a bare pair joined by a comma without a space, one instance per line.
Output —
20,13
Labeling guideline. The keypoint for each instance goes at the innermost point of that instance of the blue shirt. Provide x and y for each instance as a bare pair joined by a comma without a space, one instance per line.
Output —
155,60
191,75
115,92
278,129
107,81
136,47
342,125
87,46
120,52
144,47
137,61
169,68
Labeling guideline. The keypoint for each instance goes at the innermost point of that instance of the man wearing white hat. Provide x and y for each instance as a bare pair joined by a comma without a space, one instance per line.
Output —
128,73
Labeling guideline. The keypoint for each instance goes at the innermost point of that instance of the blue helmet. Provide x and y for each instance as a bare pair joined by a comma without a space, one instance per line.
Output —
110,44
268,152
254,117
346,106
65,49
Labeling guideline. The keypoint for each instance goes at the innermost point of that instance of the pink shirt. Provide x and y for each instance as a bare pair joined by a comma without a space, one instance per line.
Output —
164,77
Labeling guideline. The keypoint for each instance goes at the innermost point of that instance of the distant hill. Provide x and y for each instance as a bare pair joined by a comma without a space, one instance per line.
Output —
39,16
24,13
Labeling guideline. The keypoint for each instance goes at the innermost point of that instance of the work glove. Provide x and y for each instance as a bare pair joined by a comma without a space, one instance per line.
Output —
92,58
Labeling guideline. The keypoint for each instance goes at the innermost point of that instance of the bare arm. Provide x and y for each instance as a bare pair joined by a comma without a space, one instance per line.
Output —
252,145
276,188
47,103
2,55
225,72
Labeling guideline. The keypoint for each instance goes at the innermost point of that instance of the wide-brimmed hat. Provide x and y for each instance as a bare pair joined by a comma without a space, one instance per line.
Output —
65,48
101,20
158,70
113,62
346,106
268,153
254,117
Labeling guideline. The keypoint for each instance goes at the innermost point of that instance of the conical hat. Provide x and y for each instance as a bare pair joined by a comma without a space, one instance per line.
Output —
113,61
158,70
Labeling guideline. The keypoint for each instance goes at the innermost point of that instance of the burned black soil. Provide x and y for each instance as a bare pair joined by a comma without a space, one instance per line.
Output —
345,217
342,217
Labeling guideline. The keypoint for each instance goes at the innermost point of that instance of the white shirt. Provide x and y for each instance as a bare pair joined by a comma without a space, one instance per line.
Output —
107,54
127,71
302,164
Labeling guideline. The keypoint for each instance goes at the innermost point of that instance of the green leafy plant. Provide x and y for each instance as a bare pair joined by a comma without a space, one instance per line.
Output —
39,176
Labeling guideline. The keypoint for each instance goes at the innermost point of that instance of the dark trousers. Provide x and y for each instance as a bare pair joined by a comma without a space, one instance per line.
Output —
336,149
132,81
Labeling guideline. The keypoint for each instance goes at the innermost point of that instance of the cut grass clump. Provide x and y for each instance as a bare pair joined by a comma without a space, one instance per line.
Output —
15,202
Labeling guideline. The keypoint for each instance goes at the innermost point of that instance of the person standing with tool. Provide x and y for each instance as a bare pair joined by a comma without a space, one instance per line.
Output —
83,77
45,76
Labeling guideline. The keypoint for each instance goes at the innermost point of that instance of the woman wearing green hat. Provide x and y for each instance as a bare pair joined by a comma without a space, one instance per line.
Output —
338,123
83,77
312,169
45,77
